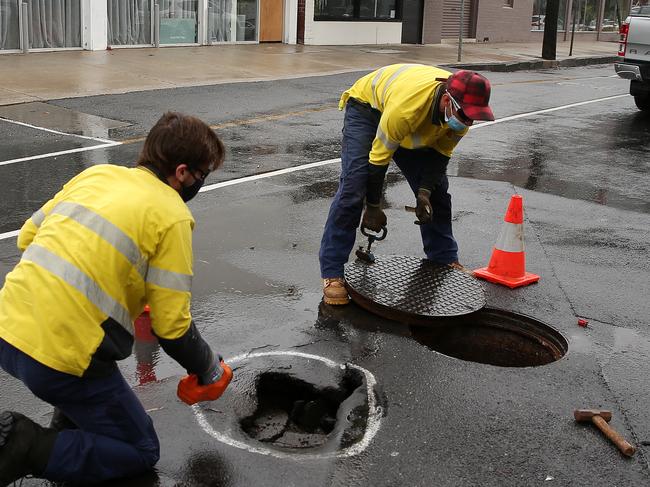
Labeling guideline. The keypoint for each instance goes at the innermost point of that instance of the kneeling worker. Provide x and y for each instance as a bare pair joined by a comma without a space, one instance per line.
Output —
112,240
415,115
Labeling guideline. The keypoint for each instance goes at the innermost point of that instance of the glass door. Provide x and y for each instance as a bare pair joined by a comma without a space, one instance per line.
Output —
178,21
9,25
54,24
232,21
129,23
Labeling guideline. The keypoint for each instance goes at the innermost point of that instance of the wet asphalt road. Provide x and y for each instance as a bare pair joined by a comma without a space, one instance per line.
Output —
583,173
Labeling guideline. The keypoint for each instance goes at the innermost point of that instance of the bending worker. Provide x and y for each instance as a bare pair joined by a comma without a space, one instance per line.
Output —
113,239
415,115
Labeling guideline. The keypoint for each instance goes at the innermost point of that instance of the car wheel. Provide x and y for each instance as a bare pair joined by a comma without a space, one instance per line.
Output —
642,102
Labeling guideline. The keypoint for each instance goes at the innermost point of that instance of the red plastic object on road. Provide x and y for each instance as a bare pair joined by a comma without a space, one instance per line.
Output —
190,391
582,322
142,326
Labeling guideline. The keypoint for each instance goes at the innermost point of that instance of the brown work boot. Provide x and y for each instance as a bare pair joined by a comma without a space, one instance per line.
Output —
334,291
460,267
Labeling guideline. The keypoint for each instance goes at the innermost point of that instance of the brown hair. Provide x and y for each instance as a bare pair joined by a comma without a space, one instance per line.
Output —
181,139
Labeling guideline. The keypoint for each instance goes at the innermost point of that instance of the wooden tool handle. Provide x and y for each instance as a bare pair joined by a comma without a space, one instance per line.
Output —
614,436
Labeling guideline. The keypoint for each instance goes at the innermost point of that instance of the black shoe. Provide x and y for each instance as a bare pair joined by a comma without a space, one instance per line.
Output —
25,447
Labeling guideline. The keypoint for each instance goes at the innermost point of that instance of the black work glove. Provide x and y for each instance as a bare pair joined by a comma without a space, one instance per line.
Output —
423,209
374,218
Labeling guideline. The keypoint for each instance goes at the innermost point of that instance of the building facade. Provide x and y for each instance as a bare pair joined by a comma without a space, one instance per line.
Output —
36,25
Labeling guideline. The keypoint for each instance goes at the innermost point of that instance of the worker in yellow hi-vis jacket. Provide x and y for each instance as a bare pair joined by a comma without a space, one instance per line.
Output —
112,240
414,115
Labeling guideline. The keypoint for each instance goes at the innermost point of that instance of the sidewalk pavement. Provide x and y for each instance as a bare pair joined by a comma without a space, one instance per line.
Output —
51,75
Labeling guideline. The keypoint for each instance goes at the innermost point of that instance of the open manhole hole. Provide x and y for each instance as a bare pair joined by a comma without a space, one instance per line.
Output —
292,413
495,337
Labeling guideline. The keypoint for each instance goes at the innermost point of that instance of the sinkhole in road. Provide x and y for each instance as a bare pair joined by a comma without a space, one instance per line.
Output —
495,337
294,414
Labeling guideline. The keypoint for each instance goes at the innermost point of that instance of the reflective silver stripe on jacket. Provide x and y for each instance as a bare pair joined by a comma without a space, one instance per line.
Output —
375,80
79,280
169,280
392,78
417,141
106,230
37,217
390,145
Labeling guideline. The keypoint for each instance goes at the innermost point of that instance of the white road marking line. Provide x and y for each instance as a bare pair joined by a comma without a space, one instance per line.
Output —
7,235
52,131
546,110
288,170
372,426
59,153
269,174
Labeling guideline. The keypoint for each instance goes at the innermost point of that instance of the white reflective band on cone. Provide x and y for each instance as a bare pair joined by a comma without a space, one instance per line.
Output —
511,238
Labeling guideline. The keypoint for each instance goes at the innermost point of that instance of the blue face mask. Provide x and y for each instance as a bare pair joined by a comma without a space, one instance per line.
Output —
453,123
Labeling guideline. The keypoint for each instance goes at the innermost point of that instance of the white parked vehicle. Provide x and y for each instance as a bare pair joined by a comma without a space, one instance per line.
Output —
634,48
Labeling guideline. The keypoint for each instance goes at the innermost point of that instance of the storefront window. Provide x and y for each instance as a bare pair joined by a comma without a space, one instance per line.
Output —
585,13
232,20
178,21
129,22
357,10
54,24
9,25
539,14
615,13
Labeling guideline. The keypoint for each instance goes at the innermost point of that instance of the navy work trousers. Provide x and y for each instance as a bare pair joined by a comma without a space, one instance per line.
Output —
115,438
359,129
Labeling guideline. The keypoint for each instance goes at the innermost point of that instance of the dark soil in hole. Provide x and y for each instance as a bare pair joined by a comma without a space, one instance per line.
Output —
494,337
292,413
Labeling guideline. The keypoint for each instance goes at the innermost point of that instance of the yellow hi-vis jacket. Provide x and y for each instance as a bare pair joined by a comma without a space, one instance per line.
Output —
404,94
112,240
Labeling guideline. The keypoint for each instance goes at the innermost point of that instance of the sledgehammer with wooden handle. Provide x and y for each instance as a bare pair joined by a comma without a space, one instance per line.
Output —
600,419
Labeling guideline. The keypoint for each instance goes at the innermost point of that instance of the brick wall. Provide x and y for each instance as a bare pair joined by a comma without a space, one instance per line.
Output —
432,23
494,21
503,24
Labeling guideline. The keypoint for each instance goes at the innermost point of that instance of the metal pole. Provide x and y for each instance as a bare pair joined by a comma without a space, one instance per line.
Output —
25,26
567,17
549,44
156,25
601,18
573,33
460,31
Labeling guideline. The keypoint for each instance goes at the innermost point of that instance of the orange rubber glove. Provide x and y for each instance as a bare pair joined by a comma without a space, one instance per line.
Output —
190,391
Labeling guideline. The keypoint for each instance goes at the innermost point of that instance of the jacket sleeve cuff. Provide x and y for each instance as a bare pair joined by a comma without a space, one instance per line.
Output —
190,350
375,185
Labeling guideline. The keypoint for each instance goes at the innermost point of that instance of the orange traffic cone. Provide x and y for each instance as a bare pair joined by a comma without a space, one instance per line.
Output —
508,262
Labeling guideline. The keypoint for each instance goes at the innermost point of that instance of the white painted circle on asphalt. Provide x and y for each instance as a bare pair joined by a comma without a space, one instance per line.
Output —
372,425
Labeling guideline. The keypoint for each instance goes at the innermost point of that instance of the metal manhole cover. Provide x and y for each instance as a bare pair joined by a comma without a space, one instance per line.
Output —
411,289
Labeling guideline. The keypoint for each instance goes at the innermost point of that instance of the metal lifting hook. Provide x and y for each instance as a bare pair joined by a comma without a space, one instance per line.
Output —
365,254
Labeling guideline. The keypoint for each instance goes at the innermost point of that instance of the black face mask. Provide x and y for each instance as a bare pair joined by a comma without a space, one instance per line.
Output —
189,192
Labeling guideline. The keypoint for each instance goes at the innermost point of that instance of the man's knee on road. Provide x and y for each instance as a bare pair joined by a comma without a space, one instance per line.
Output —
150,453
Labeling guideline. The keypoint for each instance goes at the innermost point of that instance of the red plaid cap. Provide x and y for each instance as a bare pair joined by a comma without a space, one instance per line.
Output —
472,92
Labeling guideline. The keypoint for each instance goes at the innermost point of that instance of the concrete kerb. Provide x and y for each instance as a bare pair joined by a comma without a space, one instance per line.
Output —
534,64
